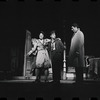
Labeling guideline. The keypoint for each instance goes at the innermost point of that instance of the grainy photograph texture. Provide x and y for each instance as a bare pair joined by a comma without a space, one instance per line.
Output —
49,49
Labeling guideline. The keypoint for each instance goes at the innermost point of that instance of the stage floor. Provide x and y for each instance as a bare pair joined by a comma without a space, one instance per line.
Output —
50,81
31,79
21,87
66,90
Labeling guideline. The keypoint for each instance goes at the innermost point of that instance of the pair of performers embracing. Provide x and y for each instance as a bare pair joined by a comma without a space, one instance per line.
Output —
48,54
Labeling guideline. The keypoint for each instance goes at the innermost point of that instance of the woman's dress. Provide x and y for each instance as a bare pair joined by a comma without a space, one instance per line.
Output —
42,57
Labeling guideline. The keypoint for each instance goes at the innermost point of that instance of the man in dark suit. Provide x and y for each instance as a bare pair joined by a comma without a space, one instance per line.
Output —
76,53
56,54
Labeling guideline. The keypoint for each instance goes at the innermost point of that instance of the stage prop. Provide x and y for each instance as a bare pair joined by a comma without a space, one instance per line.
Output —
64,62
94,68
27,59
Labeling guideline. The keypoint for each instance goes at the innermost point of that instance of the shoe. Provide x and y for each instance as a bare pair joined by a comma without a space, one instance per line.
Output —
46,81
37,81
56,81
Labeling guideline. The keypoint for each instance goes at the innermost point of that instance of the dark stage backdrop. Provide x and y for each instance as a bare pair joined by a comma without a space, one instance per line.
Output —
17,17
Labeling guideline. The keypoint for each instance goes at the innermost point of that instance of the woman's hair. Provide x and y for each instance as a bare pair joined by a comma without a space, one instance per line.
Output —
42,32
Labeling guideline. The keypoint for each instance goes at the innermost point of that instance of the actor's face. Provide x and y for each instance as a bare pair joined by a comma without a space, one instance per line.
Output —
53,36
74,29
41,36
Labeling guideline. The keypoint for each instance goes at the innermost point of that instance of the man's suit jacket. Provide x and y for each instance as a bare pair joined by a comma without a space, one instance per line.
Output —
58,49
76,53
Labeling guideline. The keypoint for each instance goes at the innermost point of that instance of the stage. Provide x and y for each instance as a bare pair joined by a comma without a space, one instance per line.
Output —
32,80
65,90
26,87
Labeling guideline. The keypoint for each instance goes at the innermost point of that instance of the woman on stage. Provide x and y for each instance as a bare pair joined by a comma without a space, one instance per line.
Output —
43,61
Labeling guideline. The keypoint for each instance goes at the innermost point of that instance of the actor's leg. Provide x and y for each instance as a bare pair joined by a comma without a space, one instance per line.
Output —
79,74
56,72
37,72
46,74
53,71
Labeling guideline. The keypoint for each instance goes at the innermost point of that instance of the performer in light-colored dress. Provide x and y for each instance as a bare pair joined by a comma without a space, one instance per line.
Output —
43,61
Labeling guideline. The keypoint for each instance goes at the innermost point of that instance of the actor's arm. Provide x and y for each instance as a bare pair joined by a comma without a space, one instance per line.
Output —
61,46
33,49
